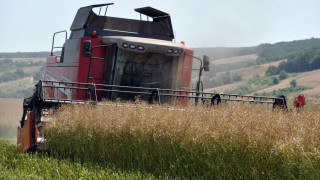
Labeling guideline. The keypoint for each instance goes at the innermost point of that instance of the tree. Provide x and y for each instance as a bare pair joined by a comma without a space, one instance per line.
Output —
19,73
275,80
236,77
293,83
283,75
38,75
7,61
282,65
8,77
272,70
225,78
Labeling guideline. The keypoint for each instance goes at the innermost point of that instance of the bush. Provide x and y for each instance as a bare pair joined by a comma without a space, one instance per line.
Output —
236,77
283,75
272,70
39,74
241,90
225,78
286,91
293,83
275,80
8,76
19,73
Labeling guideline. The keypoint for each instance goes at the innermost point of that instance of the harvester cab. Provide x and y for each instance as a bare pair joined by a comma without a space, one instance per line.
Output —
115,58
119,58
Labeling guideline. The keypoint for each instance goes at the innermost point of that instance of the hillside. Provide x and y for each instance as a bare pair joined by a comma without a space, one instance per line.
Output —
266,52
19,75
246,74
309,79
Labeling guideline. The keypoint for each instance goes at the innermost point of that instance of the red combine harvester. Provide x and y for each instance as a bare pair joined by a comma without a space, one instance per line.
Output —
114,58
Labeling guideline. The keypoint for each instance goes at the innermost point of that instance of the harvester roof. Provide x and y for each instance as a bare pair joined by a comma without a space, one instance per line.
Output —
86,20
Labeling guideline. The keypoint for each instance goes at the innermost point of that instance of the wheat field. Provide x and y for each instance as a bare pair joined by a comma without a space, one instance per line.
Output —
223,142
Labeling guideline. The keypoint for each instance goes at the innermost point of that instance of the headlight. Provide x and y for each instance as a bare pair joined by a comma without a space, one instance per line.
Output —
140,47
125,45
169,51
132,46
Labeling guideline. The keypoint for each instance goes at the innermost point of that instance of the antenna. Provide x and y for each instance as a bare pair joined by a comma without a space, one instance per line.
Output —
100,7
106,10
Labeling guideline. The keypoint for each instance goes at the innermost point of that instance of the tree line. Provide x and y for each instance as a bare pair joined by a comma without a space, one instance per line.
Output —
307,60
285,50
8,64
24,54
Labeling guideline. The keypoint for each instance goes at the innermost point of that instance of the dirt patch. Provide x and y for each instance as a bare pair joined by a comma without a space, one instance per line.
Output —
220,89
315,92
238,59
29,69
250,72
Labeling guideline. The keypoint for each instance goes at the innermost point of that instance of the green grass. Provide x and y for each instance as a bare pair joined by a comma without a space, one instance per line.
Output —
254,84
14,165
286,91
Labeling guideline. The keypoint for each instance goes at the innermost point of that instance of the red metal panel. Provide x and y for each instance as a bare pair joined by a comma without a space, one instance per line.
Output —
187,71
97,66
51,60
24,142
184,75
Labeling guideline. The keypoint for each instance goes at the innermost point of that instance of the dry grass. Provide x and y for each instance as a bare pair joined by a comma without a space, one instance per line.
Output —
228,141
237,59
255,125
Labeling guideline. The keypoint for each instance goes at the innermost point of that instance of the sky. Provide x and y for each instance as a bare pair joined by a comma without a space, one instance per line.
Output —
29,25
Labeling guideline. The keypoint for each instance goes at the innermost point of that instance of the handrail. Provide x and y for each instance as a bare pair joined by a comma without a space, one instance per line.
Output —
54,34
205,97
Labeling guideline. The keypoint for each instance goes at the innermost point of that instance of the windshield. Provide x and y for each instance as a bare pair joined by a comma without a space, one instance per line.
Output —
150,70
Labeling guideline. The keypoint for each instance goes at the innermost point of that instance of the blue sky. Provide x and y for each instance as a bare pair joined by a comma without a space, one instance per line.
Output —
29,25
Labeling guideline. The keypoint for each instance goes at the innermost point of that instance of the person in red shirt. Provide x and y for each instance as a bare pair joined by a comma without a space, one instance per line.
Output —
299,102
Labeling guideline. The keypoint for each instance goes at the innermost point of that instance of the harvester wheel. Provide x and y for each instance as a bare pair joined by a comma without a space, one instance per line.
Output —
280,103
216,98
153,97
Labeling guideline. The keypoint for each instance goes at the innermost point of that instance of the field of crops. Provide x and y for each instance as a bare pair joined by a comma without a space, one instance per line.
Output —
143,141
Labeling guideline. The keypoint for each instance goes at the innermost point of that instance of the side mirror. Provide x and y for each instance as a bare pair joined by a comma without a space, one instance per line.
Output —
86,48
206,63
